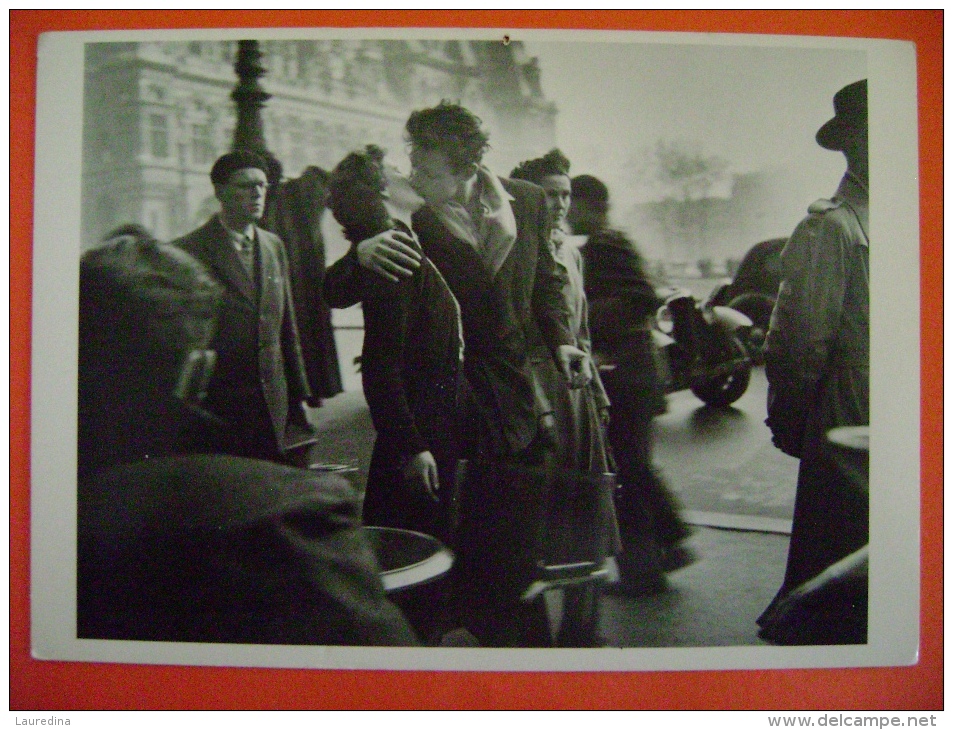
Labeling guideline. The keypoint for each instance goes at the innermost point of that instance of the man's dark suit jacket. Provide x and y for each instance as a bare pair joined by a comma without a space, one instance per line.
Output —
502,314
222,549
259,379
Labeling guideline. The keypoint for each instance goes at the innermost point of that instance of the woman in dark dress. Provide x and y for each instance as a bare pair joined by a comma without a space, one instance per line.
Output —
411,363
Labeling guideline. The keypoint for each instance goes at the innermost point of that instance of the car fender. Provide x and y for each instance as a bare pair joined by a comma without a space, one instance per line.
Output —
730,319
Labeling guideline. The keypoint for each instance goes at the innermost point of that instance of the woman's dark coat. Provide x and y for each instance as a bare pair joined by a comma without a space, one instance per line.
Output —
412,373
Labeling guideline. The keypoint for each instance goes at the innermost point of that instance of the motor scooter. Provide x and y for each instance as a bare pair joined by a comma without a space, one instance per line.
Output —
700,349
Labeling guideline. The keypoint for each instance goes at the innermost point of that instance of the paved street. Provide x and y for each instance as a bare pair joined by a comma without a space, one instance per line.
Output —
723,468
714,602
721,461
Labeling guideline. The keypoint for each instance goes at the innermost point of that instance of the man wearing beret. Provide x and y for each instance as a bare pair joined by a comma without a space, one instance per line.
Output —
259,382
817,362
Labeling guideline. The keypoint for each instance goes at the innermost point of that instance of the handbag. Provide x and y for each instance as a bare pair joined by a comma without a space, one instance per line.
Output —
523,529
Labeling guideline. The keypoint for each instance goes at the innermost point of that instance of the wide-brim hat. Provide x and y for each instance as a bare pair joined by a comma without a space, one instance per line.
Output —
850,117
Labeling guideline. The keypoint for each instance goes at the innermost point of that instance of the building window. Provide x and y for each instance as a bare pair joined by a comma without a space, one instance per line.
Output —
158,134
297,147
155,215
203,146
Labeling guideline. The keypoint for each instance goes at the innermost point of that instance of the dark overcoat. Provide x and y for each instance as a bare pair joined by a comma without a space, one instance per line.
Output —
259,380
411,370
622,300
294,213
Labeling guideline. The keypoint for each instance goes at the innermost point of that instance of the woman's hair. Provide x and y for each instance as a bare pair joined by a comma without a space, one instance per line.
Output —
356,194
553,162
451,130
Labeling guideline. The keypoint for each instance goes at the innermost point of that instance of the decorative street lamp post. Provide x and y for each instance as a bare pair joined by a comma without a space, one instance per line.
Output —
291,209
249,100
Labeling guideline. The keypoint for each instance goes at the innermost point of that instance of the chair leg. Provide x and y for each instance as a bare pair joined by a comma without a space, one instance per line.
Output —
580,623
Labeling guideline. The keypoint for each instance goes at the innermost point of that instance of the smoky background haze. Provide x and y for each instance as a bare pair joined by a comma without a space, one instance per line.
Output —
706,149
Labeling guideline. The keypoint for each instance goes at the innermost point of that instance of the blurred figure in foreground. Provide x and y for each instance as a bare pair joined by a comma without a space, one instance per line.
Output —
199,548
622,300
817,359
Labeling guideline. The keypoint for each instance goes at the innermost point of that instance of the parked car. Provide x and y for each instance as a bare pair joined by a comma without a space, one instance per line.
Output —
753,291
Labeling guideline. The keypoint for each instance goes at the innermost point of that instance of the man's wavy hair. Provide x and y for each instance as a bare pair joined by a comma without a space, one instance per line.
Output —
450,129
552,163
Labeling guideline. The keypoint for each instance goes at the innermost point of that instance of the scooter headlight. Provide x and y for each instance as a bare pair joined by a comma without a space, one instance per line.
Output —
664,319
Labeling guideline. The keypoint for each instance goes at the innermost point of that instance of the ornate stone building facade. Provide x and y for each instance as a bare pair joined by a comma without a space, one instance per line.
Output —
157,114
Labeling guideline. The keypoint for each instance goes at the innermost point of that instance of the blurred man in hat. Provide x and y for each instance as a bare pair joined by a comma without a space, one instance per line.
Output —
817,363
259,382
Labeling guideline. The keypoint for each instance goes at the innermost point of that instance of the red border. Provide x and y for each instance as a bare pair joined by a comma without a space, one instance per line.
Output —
72,685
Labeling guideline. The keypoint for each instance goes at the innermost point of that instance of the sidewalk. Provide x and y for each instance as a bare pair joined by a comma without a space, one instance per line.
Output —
713,602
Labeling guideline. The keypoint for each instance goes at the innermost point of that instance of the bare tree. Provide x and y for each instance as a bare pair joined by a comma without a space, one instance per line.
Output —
681,177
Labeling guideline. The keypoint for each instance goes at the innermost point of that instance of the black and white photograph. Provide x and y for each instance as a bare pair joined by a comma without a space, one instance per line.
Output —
465,349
